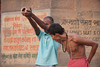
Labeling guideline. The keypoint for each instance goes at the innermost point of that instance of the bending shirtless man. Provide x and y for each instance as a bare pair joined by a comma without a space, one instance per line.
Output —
74,45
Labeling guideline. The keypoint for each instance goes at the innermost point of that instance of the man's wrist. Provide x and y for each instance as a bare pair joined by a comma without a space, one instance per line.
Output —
89,61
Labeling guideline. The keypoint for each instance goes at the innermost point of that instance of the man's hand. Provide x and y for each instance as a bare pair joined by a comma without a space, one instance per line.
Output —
88,61
26,12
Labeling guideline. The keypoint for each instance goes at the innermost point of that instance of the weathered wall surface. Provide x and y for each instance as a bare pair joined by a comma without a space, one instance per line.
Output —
78,16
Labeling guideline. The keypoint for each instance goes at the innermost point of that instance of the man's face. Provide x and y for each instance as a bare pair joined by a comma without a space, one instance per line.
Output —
47,22
56,37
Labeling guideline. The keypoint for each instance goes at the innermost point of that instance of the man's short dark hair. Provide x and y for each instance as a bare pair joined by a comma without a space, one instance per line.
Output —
51,19
55,28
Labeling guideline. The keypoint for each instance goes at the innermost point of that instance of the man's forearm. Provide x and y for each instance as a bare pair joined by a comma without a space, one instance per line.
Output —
37,30
92,53
39,22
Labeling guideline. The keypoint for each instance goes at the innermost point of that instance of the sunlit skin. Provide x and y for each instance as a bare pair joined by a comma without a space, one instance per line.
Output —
75,45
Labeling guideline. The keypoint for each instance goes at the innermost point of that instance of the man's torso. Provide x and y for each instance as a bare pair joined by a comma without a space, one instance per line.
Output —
74,49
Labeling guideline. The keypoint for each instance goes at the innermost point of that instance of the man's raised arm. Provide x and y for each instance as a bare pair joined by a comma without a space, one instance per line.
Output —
38,21
36,28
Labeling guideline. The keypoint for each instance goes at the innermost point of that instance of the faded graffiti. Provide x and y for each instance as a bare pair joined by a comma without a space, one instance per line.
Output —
19,41
89,29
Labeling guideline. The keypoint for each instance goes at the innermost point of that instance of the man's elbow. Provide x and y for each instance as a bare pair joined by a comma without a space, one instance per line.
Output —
96,45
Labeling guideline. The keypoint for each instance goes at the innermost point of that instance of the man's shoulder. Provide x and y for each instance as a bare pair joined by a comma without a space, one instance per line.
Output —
74,37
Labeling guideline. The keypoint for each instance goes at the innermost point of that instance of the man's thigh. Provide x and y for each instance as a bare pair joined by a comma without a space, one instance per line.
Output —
46,66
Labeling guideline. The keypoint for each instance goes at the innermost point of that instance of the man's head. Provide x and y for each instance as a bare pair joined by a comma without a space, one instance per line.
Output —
48,21
55,31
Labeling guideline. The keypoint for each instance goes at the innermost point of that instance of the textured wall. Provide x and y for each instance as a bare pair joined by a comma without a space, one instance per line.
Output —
79,16
16,5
